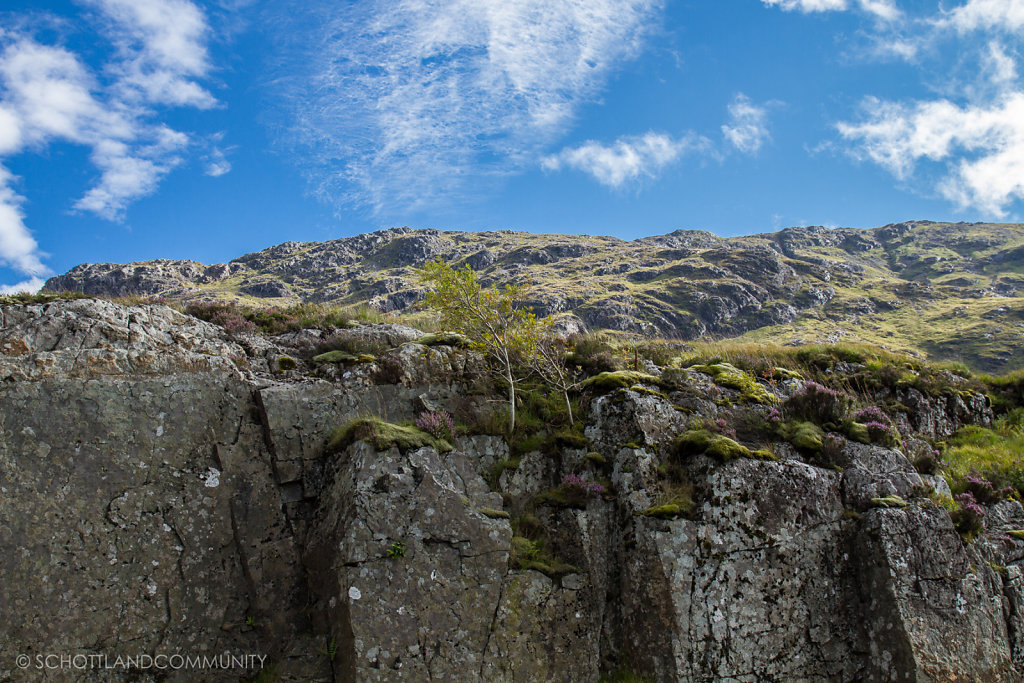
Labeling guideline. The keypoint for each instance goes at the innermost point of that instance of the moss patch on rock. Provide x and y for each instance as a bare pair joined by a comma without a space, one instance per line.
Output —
339,356
382,436
527,554
706,442
805,436
731,377
445,339
889,502
619,379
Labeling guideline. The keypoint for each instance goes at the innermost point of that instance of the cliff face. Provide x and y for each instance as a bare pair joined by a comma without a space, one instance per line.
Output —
166,488
949,291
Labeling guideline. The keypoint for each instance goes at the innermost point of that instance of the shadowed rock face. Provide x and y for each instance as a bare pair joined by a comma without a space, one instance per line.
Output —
800,284
165,489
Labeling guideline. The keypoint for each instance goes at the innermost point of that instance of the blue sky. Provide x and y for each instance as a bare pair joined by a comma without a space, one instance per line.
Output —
140,129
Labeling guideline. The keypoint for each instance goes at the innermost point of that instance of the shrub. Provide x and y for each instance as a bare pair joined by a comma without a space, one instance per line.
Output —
882,433
527,554
438,424
871,414
573,492
982,490
592,354
389,371
351,344
286,363
818,404
833,448
968,517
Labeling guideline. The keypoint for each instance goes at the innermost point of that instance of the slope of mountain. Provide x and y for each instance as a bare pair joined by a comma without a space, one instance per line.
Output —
948,291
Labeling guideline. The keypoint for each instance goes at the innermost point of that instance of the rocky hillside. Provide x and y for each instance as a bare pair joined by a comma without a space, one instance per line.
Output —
168,488
946,291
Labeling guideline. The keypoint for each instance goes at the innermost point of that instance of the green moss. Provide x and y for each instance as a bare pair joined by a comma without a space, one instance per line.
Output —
336,357
382,436
731,377
286,363
856,431
619,379
763,454
703,441
889,502
640,389
668,511
527,554
445,339
567,439
805,436
499,468
494,514
783,373
596,458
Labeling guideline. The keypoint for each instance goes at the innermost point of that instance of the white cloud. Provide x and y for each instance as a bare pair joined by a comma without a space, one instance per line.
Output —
982,146
18,250
404,102
1007,15
627,159
162,48
883,9
1000,67
747,129
30,286
130,173
47,94
217,163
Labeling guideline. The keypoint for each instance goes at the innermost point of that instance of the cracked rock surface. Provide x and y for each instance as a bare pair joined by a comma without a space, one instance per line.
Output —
163,490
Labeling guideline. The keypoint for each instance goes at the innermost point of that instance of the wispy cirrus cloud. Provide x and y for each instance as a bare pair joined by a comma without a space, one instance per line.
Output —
883,9
402,104
48,94
628,158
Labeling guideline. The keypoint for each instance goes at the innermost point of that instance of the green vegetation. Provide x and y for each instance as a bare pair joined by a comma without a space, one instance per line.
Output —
286,363
342,357
805,436
445,339
498,323
494,514
527,554
396,550
731,377
382,436
889,502
995,455
706,442
618,379
240,319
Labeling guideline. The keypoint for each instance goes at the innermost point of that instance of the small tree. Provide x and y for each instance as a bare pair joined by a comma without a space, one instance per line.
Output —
497,322
549,363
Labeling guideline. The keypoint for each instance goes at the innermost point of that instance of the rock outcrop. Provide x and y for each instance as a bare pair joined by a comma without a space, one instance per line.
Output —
166,488
808,283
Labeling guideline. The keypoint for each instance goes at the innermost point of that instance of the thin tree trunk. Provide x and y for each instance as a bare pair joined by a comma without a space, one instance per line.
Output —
568,406
511,405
